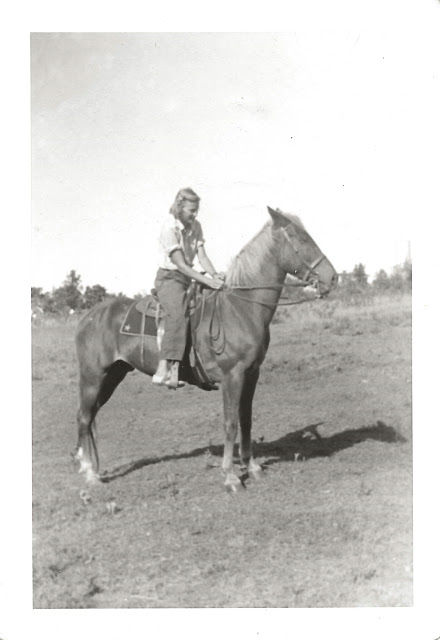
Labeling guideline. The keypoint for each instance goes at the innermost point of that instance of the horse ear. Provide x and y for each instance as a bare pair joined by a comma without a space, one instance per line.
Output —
278,217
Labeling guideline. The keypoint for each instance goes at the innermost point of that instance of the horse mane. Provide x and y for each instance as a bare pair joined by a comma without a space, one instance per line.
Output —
254,255
250,258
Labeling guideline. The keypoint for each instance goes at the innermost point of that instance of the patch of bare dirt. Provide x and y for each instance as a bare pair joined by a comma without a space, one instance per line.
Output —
328,526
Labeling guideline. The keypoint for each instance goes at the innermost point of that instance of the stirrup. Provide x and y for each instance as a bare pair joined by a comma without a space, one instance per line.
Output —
173,381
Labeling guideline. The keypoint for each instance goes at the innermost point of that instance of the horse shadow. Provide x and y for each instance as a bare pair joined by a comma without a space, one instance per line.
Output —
308,443
303,443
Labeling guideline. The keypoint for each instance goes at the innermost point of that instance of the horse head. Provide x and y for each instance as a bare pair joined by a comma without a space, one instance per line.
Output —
299,255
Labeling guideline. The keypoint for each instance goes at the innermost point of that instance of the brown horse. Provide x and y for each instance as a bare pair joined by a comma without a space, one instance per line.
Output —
232,337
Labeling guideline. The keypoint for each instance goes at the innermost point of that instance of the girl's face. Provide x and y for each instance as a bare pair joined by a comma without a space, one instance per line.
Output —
188,212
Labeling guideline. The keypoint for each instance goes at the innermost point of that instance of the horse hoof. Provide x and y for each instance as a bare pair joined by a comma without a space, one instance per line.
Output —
234,486
257,474
92,477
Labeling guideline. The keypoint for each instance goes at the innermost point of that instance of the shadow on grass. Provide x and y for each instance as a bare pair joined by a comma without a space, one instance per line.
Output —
125,469
307,442
303,443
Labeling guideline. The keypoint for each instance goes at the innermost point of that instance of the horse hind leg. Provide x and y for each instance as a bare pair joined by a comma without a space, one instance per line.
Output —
93,396
87,450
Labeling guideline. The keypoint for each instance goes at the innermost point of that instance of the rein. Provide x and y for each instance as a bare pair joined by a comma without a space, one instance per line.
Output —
301,283
216,315
304,282
217,335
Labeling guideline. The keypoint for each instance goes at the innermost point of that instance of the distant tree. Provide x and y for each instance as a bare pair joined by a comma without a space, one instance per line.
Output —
381,280
401,277
36,294
139,296
50,304
41,299
359,275
37,302
399,281
93,295
69,295
344,278
111,294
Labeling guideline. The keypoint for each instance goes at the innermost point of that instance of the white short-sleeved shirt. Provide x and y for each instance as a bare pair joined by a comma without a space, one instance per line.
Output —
174,235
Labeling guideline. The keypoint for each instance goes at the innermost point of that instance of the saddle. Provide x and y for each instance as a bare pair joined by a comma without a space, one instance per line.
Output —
149,306
142,319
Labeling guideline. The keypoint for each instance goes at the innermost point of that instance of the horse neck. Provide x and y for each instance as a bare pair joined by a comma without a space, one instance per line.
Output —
257,265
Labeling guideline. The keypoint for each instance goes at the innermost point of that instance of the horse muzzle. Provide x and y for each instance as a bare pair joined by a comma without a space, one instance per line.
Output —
312,288
319,288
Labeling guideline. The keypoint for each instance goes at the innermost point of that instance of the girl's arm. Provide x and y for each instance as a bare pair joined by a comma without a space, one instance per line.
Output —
178,259
206,263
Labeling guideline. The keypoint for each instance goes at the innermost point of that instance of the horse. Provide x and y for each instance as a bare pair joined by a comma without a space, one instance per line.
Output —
232,337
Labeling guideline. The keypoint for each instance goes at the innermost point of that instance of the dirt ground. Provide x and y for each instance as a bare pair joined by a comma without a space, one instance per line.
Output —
330,524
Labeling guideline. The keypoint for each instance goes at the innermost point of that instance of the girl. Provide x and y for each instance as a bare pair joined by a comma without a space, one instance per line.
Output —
181,240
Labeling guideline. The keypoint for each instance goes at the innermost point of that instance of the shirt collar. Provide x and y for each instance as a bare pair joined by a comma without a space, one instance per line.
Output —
179,225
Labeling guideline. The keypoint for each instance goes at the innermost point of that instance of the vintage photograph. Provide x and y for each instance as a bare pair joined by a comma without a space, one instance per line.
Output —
222,318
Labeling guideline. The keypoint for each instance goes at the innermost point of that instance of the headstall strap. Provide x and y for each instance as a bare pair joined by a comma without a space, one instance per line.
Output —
302,282
310,267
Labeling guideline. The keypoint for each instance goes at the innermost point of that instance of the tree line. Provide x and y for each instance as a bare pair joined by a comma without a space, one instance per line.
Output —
71,296
398,281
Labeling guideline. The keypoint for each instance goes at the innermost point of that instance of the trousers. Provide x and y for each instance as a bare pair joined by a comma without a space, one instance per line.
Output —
171,287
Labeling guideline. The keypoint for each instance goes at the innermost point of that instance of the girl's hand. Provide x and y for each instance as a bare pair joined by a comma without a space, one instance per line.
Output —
215,282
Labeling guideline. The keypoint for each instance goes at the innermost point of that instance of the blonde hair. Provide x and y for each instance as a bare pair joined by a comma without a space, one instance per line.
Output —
184,195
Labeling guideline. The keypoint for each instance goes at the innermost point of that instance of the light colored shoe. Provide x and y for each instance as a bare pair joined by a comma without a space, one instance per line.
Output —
165,381
167,374
162,373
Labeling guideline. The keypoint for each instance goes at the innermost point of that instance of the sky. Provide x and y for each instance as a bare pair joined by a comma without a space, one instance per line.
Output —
333,124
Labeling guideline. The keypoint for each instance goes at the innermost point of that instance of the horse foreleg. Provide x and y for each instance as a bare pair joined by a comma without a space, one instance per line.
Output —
232,386
247,396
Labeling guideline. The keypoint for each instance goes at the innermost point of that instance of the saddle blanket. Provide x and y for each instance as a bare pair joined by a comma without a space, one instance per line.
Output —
141,322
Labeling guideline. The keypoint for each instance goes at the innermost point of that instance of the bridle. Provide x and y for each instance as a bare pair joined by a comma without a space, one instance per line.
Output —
218,338
310,268
305,281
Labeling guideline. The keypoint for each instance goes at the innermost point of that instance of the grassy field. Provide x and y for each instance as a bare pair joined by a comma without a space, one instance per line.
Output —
330,525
